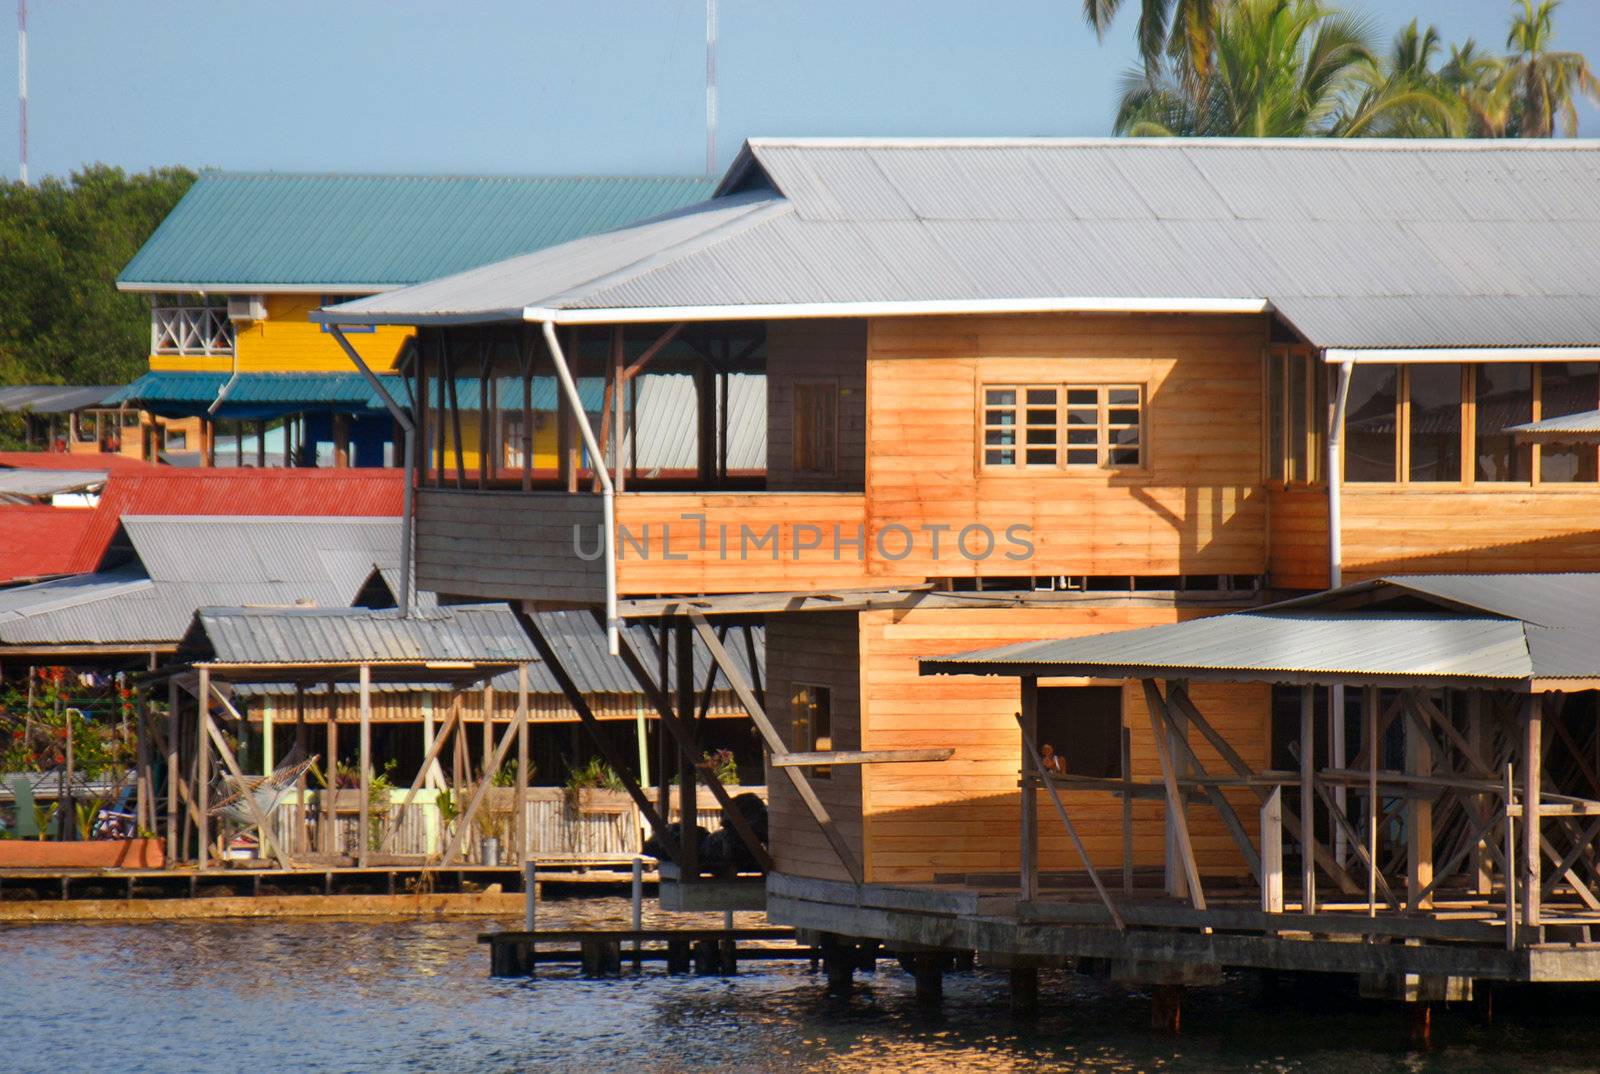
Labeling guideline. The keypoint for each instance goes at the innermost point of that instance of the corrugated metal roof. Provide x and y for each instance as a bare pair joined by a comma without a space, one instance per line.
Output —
357,231
486,633
1387,243
1263,643
51,398
37,540
184,563
1582,428
1499,627
257,396
341,551
74,460
165,491
34,484
580,644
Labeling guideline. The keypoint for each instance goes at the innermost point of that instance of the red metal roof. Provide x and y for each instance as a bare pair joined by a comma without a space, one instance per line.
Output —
40,541
165,491
66,460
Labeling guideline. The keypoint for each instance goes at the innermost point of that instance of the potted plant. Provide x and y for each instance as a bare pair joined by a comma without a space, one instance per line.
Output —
593,787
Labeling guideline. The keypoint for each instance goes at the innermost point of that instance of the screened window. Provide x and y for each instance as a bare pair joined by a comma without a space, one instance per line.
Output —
1371,440
812,715
1567,388
1435,422
1502,397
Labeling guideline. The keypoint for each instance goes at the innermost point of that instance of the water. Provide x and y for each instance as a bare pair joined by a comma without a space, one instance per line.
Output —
415,996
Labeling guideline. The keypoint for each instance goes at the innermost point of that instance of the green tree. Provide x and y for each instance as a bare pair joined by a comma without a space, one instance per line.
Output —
1543,84
1480,81
1294,68
62,243
1179,32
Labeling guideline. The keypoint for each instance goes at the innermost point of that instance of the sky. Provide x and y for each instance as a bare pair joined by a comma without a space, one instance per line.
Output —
597,86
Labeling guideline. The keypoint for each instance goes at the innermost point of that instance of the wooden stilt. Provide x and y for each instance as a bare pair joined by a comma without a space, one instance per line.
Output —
1532,777
365,834
520,814
174,771
1308,797
328,819
203,772
1028,854
1272,852
1024,992
1166,1008
1419,817
689,760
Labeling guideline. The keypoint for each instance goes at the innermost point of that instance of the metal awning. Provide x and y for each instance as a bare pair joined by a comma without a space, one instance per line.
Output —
1581,428
255,396
52,398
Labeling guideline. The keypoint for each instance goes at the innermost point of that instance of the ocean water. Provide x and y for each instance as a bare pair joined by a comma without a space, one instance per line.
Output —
414,995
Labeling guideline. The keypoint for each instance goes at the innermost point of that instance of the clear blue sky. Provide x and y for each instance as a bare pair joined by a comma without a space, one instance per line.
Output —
602,86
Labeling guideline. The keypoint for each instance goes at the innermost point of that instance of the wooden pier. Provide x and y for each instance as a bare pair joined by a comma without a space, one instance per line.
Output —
603,952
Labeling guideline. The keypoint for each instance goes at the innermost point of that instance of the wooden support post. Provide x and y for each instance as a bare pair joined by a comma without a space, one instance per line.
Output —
302,833
365,834
1419,816
492,764
1037,769
1024,992
486,710
452,723
1176,879
1028,855
1272,852
262,821
144,803
1369,711
929,968
1127,813
1176,816
1482,862
174,771
328,818
1532,777
202,777
520,815
689,760
261,445
1308,798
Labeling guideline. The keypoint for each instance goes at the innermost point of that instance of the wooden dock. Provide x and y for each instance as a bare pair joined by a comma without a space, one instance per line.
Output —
603,952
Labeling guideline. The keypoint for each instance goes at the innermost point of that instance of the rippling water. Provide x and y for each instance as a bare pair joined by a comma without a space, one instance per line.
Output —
415,996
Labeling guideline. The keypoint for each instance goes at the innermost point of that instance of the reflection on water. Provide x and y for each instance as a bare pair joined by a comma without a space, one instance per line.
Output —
415,996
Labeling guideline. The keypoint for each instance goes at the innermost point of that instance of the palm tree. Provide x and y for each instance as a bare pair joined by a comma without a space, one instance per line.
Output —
1481,82
1292,68
1176,30
1544,84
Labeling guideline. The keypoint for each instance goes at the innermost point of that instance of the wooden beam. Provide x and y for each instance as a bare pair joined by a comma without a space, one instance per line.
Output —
586,717
464,826
521,815
1272,853
1532,840
650,352
860,757
1175,805
1066,822
1308,794
365,834
1028,804
263,824
202,774
1224,808
674,729
778,748
174,772
688,749
451,723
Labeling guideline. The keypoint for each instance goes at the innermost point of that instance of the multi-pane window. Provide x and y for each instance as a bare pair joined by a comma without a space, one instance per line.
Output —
1104,425
1048,425
1296,414
1021,425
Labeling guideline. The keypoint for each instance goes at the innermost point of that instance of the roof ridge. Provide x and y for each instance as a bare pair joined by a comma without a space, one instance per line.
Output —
537,177
1103,141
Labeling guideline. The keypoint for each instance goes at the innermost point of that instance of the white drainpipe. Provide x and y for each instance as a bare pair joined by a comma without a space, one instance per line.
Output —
607,490
1335,473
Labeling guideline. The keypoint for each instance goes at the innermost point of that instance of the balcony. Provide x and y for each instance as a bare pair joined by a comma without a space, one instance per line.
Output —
200,329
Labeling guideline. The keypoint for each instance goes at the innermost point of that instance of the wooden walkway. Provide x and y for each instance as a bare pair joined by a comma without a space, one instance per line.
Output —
603,952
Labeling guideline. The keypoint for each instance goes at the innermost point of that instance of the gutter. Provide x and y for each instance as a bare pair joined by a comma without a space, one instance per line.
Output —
408,495
607,490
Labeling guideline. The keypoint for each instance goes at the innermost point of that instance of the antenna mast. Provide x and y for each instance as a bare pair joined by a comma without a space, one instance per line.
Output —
711,87
22,90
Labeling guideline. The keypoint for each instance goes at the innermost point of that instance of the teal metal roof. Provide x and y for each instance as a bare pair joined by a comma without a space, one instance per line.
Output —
256,396
361,232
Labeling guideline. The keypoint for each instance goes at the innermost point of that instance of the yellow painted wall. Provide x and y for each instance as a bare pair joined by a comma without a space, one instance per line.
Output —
286,342
546,441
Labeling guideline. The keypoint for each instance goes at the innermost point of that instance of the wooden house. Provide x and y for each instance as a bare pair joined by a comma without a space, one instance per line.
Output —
1019,390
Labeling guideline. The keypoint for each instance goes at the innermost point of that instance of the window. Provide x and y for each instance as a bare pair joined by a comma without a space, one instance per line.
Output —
816,427
1434,421
812,712
1502,397
1079,731
1567,388
1020,425
1103,425
190,325
1371,430
1297,405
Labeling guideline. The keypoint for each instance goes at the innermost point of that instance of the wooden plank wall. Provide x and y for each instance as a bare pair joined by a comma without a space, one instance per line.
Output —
508,545
817,649
827,351
1299,554
962,815
735,555
1198,509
